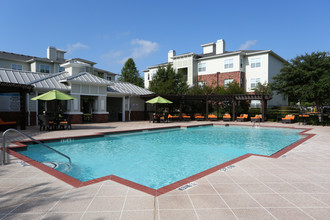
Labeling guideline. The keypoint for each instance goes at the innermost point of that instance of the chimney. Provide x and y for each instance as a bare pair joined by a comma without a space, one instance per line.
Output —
171,54
221,46
51,53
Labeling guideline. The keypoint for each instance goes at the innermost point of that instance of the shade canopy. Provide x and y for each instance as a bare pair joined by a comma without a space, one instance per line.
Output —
53,95
159,99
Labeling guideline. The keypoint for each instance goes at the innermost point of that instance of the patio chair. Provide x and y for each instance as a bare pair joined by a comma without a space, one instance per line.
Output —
173,117
7,124
44,122
199,117
256,118
186,117
164,118
288,119
65,123
226,117
242,117
212,117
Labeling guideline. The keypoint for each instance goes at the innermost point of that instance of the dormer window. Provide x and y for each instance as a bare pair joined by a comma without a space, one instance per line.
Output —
44,68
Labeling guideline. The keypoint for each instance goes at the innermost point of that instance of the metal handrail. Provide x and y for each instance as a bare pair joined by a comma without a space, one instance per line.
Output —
12,129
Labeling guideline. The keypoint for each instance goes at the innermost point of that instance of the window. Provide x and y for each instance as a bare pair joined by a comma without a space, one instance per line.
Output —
229,63
201,67
44,68
254,82
227,81
61,69
109,78
241,63
255,62
16,67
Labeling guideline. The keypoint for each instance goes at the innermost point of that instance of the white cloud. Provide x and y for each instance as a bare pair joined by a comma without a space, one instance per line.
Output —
248,44
76,46
143,48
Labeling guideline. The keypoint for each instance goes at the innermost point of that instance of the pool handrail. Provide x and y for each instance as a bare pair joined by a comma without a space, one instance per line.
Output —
12,129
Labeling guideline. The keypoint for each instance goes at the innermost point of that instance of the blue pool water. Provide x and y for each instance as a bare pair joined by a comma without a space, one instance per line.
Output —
158,158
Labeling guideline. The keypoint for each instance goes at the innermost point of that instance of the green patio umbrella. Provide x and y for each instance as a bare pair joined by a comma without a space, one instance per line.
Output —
160,100
54,95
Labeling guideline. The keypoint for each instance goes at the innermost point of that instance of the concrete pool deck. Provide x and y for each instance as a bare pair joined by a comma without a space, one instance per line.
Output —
293,186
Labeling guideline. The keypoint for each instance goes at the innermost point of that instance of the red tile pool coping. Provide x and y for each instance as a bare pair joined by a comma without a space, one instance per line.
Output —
155,192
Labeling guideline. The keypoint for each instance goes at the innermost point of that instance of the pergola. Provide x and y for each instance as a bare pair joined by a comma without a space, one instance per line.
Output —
22,89
232,98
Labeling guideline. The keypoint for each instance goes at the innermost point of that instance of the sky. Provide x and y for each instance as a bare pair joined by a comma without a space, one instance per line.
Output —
109,32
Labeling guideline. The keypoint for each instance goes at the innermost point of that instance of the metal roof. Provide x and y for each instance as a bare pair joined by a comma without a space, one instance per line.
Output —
87,78
38,80
127,88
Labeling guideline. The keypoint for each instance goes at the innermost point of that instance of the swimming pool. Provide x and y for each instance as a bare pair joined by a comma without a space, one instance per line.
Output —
158,158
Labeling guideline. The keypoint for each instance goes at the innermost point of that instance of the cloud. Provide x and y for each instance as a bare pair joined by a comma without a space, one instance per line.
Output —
76,46
248,44
138,49
143,48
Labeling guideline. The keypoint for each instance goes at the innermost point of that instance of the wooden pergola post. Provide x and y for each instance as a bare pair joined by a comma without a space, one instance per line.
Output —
263,108
234,110
23,110
206,107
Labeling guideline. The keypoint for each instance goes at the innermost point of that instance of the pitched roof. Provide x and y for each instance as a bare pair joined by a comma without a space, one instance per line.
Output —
26,58
38,80
87,78
127,88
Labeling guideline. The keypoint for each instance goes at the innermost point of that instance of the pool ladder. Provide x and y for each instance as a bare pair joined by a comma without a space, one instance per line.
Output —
4,158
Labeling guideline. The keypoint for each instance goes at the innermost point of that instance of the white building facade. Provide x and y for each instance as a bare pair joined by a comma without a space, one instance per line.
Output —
216,66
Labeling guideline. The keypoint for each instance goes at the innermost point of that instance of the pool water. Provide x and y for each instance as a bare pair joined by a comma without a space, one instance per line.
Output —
159,158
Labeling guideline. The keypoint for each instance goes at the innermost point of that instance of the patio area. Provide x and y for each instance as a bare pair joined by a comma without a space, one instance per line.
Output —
294,186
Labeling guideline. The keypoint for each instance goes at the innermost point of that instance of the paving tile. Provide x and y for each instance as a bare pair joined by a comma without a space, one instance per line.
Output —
63,216
177,214
288,213
271,200
240,201
174,202
207,201
23,216
283,188
137,215
228,189
202,189
245,179
325,198
215,214
256,188
102,215
139,203
253,214
318,213
269,179
113,190
304,200
69,204
106,204
218,178
310,188
86,191
36,206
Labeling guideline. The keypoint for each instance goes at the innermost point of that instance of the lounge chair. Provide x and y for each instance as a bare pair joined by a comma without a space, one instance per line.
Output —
226,117
288,119
186,117
173,117
256,118
212,117
242,117
7,124
199,117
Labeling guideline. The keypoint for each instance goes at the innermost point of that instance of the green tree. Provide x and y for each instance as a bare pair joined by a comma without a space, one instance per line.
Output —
129,73
167,81
263,89
306,78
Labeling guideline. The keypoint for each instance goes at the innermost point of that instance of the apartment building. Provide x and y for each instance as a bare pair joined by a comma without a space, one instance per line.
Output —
216,66
96,91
